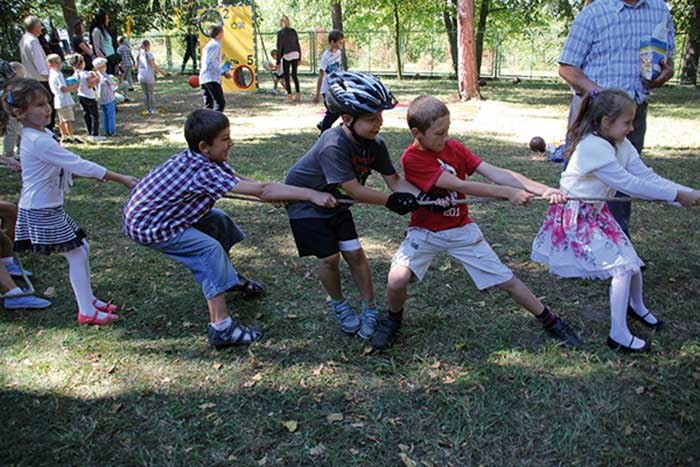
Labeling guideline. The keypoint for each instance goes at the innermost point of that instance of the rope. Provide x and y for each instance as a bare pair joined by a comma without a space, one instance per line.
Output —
475,200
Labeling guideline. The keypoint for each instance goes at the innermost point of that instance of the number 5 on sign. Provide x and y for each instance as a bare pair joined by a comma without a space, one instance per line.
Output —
238,46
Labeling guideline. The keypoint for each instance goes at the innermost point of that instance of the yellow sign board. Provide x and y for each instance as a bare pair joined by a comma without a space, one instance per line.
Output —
237,47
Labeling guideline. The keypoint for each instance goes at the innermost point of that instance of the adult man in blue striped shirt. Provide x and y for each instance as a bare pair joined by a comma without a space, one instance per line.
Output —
602,51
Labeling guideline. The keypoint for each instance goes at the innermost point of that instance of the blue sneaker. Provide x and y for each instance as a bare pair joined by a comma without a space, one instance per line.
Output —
345,316
15,271
26,302
368,323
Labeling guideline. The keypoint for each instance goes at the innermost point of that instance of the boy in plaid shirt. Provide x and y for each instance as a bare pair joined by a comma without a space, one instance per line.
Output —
171,210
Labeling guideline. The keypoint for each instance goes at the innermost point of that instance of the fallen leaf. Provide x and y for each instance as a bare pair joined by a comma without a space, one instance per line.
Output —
111,369
628,430
407,461
207,406
291,425
263,461
460,346
50,292
335,417
217,366
117,407
436,365
319,450
448,380
640,390
403,447
291,316
354,451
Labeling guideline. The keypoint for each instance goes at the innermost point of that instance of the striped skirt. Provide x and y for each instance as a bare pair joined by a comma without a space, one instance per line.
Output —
46,231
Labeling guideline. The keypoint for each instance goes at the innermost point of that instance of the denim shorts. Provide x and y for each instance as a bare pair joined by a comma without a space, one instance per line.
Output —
201,249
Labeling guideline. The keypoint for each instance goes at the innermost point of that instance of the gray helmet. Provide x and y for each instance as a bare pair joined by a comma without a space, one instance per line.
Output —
357,94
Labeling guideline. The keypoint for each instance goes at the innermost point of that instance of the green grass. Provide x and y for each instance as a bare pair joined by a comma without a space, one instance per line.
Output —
472,381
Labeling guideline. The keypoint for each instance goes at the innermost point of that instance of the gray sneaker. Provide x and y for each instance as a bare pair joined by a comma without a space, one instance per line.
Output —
233,336
345,316
368,322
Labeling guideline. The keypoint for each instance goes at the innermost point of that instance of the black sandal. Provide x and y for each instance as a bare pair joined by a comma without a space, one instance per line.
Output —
234,336
248,288
656,326
385,334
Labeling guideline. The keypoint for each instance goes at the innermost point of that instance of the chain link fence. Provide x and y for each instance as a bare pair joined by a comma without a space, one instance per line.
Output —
530,54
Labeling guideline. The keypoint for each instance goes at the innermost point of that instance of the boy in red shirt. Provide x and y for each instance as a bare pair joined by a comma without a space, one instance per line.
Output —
440,166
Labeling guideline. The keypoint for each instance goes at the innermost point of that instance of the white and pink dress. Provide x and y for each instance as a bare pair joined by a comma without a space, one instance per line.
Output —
583,239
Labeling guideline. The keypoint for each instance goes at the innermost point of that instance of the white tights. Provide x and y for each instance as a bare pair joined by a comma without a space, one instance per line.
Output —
626,290
79,273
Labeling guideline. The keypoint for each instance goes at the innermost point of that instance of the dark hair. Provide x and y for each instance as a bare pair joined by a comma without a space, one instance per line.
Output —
76,27
203,126
75,60
335,35
594,106
214,30
20,93
424,111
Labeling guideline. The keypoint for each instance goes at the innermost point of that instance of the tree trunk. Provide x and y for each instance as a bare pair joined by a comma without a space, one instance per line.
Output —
397,40
689,72
451,28
468,78
337,17
480,30
70,16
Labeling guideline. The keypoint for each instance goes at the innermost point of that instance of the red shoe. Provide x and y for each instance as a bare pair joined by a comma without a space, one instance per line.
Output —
108,307
109,317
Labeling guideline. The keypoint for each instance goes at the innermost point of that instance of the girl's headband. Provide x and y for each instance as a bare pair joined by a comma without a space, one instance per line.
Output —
594,93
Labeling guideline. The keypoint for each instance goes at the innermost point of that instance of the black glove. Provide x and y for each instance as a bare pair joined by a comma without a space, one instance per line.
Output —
425,197
402,203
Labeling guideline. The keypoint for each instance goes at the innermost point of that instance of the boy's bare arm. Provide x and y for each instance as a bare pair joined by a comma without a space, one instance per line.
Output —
398,184
270,191
450,182
362,194
510,178
319,82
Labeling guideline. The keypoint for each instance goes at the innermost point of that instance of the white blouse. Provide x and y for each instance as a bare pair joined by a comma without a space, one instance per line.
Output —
597,169
47,169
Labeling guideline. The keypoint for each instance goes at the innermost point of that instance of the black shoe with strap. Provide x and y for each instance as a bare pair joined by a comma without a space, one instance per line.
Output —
385,333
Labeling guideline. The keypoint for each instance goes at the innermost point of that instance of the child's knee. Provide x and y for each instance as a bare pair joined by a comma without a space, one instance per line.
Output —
355,258
330,262
398,279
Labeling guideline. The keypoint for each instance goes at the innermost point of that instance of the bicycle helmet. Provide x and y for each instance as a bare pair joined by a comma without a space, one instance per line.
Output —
357,94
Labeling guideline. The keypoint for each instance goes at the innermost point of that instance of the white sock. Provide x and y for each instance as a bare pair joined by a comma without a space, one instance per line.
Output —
636,300
99,303
619,300
79,273
223,324
7,260
15,291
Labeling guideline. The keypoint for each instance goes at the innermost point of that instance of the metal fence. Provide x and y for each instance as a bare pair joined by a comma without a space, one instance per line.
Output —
524,54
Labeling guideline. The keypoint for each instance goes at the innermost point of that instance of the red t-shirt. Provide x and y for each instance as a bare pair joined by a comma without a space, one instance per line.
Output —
423,168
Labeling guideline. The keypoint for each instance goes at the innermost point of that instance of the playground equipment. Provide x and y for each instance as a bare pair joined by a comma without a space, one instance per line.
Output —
238,45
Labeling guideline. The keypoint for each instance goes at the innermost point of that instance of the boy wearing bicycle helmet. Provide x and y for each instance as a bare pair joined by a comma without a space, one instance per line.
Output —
441,166
339,163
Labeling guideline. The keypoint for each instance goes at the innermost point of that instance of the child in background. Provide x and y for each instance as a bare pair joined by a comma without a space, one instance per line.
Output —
583,239
42,224
171,211
87,82
147,76
440,166
277,71
331,61
127,62
105,96
210,70
12,127
62,100
340,163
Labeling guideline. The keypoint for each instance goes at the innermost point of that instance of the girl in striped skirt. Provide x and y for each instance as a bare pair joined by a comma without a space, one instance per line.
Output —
42,225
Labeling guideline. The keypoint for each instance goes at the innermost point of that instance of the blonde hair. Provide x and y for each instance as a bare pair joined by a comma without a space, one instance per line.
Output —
54,59
424,111
285,21
99,62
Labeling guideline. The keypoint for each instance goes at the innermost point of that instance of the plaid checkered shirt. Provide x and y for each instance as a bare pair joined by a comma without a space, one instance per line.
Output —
175,196
604,42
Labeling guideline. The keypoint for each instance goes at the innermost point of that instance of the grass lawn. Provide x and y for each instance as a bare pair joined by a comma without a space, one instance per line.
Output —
473,380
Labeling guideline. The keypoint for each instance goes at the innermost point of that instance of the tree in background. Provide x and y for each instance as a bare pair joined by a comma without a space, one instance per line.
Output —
467,74
686,15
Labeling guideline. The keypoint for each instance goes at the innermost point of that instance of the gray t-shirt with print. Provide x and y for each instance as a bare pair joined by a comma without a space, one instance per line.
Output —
332,161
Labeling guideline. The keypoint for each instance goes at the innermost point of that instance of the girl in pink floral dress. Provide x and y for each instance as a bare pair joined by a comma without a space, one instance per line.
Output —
582,239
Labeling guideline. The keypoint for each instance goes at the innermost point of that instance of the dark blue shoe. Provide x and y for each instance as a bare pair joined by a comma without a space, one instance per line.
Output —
233,336
562,331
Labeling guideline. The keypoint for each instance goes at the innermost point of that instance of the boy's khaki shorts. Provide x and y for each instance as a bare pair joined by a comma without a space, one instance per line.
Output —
466,244
66,114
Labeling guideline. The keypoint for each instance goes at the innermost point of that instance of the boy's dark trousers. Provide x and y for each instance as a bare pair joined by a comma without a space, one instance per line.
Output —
213,95
91,115
328,119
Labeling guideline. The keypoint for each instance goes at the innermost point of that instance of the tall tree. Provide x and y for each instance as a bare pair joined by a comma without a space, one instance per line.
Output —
70,15
397,39
449,18
687,18
337,18
468,77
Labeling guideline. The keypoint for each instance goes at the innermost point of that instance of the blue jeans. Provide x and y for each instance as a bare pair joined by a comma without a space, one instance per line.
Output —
109,118
203,249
